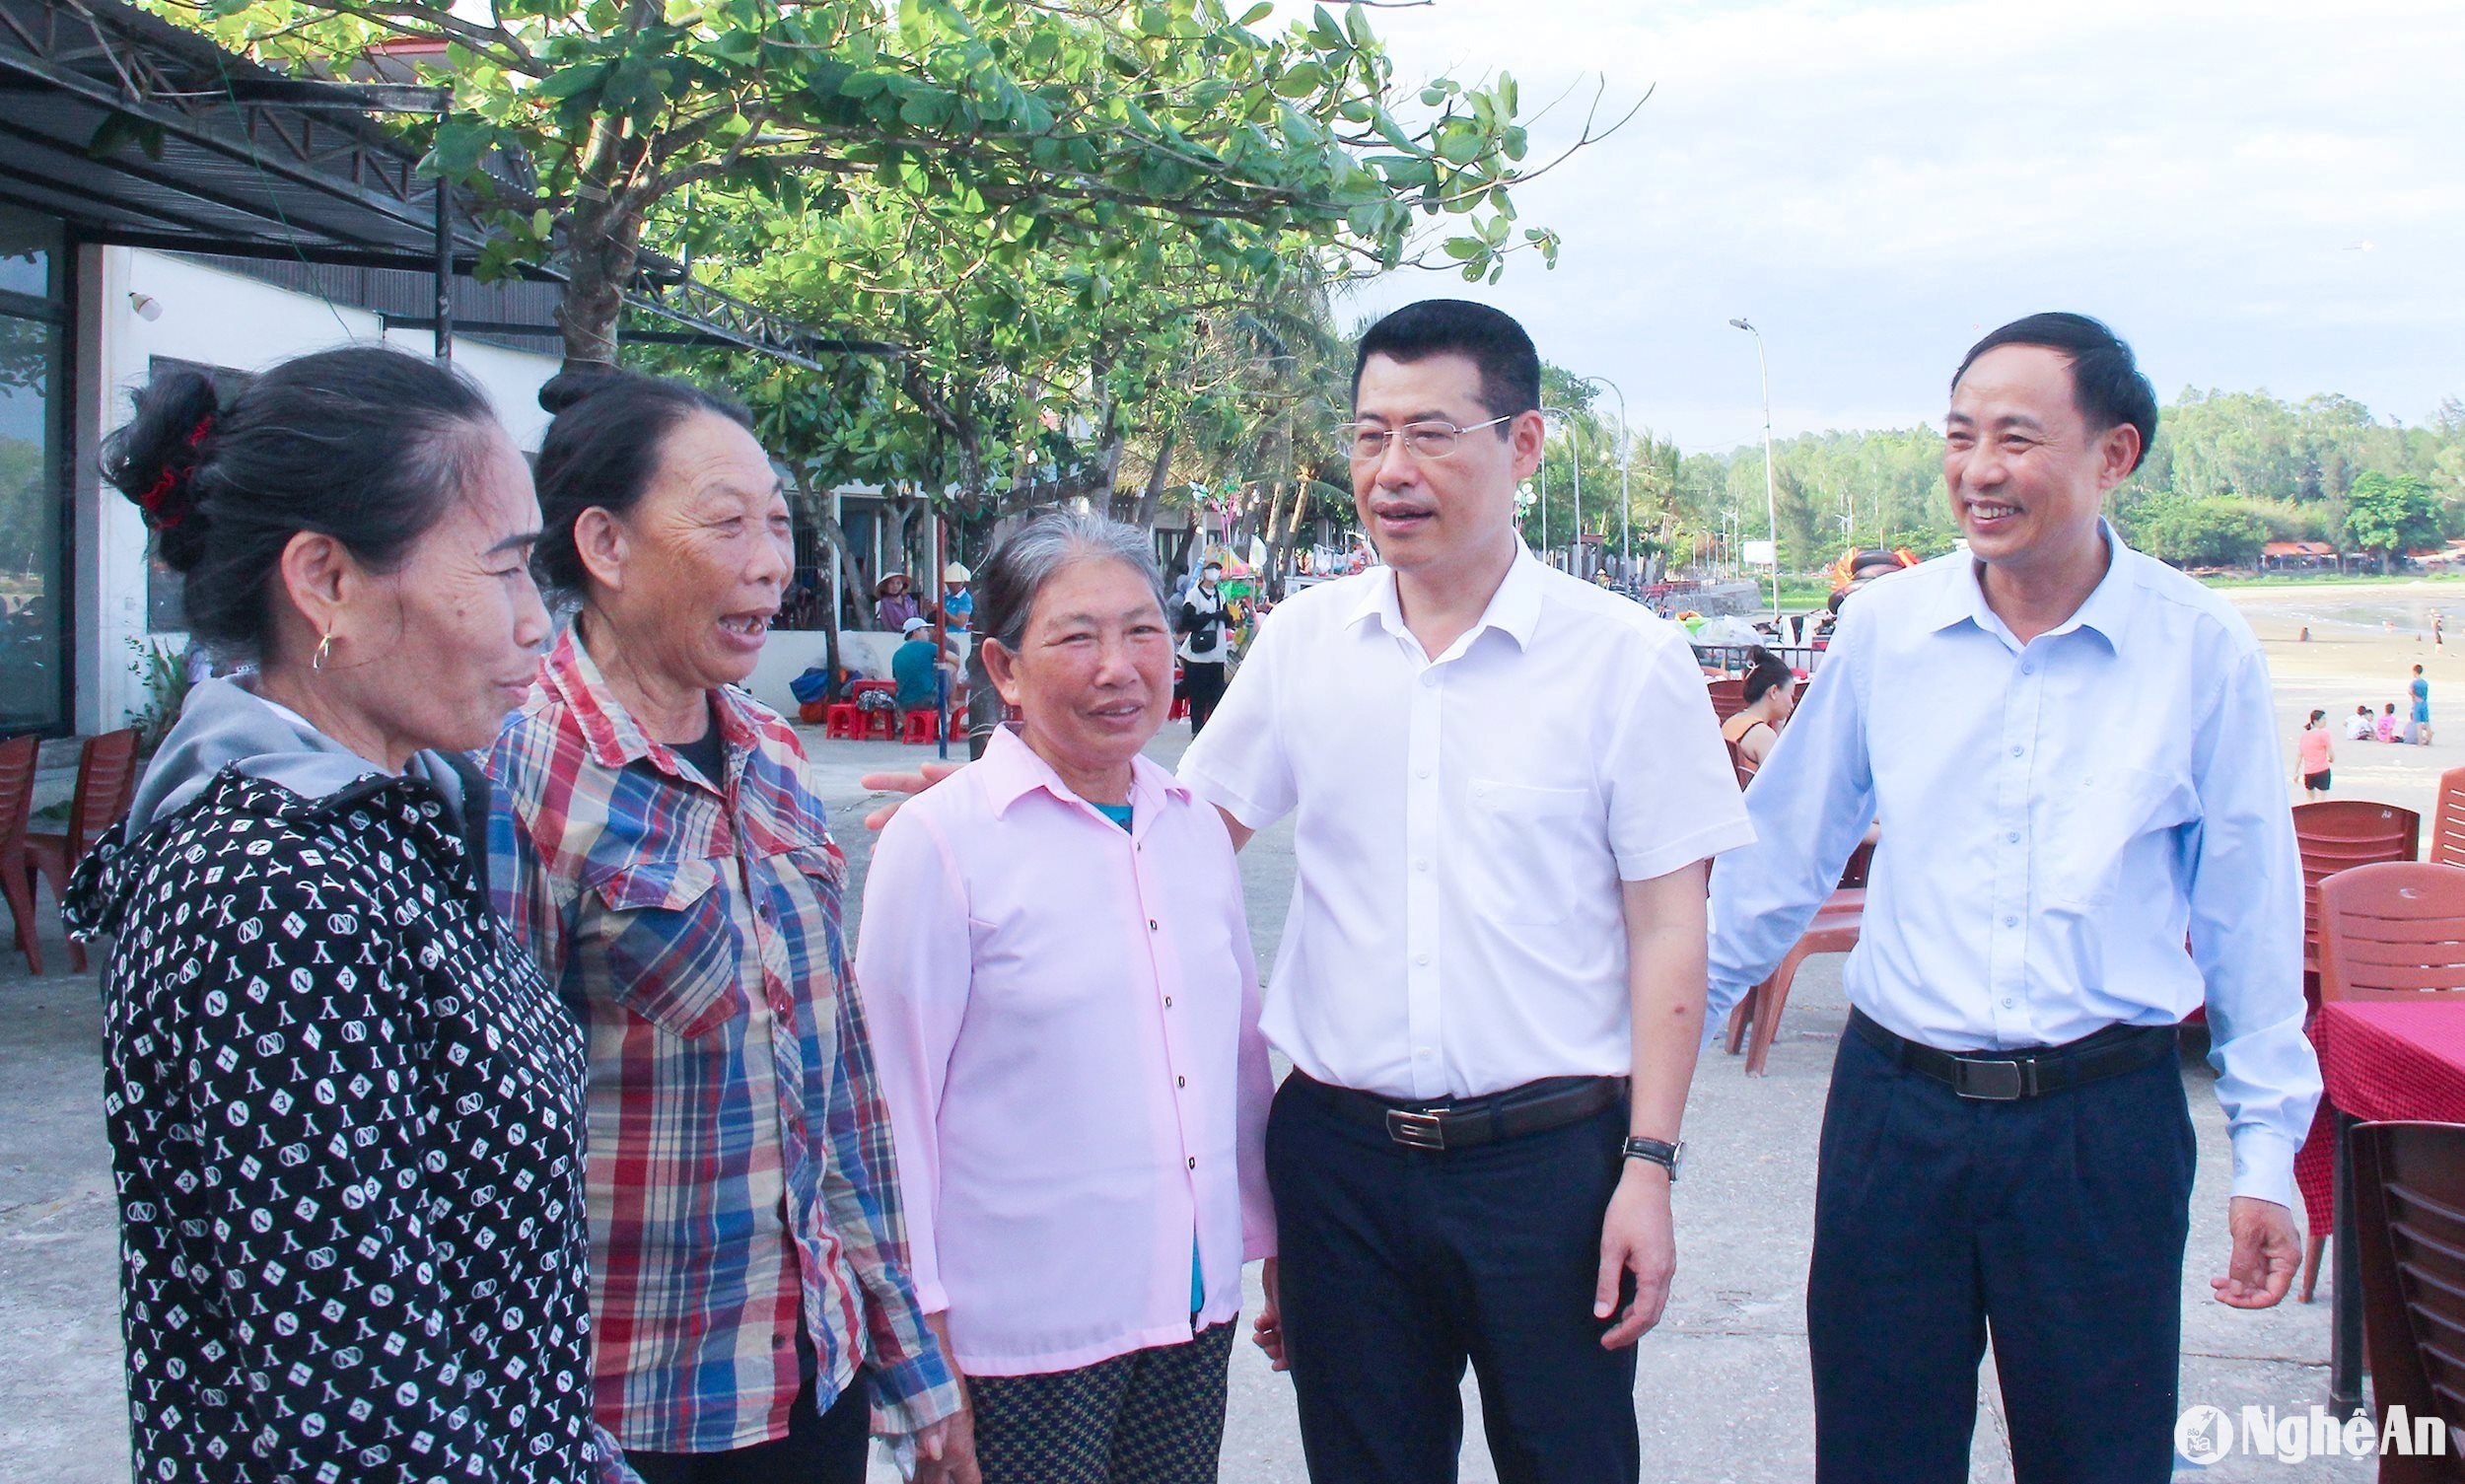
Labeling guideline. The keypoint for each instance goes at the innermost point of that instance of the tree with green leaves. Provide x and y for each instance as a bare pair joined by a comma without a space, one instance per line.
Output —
2389,516
586,127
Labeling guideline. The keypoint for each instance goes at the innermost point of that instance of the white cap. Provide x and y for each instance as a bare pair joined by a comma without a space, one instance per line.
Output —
955,573
913,624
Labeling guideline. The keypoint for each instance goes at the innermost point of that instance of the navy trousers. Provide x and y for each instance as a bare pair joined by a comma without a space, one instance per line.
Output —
1400,1266
2055,1227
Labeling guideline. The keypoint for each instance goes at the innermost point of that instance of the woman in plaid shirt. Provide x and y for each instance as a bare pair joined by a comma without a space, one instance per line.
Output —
666,861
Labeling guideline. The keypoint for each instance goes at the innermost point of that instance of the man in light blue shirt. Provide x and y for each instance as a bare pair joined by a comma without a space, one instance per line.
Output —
2072,753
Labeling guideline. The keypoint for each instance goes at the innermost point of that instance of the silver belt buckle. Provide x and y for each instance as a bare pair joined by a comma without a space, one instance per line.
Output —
1992,1081
1415,1130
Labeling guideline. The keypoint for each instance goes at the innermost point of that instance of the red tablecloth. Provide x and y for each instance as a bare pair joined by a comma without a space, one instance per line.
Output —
2382,1059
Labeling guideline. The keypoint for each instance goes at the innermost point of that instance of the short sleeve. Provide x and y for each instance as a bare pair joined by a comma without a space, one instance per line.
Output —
1673,794
1239,763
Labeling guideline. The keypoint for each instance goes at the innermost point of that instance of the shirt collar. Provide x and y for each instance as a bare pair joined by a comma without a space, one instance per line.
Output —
1514,609
2106,611
1010,770
608,731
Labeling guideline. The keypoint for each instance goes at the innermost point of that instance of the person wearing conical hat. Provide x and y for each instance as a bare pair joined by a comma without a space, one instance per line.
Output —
893,604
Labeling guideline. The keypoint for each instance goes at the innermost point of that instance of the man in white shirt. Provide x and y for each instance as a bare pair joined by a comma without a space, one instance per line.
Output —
1508,784
2072,752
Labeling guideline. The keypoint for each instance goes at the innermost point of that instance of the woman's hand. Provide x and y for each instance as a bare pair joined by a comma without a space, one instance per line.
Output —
946,1451
1267,1330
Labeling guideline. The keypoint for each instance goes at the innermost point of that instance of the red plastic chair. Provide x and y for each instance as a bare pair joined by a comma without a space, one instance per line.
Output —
2447,820
2391,931
920,726
106,780
17,756
1834,930
2338,834
884,722
845,720
2408,1218
1728,697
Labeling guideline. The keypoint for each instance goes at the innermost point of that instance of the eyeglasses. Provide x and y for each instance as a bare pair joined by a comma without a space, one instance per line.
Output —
1424,441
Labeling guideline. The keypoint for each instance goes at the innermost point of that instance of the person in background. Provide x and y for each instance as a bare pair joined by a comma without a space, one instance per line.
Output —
1206,629
1079,1128
2388,723
1771,695
893,605
2358,727
345,1110
914,665
2419,732
959,605
665,859
2007,1152
2315,751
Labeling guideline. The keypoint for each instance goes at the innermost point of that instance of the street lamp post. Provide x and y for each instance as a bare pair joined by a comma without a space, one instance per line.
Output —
1575,461
1771,515
1626,456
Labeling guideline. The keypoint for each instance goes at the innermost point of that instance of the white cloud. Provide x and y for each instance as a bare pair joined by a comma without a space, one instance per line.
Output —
1878,184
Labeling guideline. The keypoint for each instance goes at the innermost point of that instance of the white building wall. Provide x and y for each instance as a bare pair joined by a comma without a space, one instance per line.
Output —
214,318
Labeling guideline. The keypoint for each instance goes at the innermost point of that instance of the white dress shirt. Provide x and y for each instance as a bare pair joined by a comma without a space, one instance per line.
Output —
2057,818
1463,822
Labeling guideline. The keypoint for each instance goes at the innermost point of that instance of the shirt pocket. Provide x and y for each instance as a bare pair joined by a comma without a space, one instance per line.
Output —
1531,852
2097,819
665,939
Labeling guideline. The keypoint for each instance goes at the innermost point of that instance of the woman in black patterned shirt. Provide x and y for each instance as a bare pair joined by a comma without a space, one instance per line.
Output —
345,1112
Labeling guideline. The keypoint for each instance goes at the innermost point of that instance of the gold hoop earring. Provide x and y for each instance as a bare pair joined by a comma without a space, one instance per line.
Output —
324,649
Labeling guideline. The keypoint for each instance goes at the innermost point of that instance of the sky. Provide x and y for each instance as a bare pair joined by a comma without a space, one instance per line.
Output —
2255,193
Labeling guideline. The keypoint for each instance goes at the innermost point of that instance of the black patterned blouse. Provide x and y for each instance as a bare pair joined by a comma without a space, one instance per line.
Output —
345,1120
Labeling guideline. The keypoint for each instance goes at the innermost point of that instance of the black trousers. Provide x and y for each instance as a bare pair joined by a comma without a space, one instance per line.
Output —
1401,1265
1205,683
820,1447
2055,1227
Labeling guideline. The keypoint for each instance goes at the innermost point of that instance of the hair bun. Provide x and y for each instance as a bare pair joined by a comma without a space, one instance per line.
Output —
155,460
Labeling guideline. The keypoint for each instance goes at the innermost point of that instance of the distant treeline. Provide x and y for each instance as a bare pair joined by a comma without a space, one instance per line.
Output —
2229,471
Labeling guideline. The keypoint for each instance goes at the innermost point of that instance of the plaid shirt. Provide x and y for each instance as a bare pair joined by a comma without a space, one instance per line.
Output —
740,1162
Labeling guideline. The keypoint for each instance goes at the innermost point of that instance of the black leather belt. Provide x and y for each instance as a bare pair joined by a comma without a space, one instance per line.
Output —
1467,1122
2012,1075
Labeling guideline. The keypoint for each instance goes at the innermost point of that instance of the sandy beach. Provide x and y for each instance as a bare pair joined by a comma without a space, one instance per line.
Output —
2364,641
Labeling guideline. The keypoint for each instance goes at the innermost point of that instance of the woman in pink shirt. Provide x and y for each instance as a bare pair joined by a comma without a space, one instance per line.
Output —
2316,751
1063,1009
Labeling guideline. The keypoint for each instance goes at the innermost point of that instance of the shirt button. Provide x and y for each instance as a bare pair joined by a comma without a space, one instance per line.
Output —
1180,1081
1421,959
1420,865
2009,921
1151,926
2017,752
2006,1002
2013,837
1193,1162
1429,677
2028,670
1420,772
1168,1001
1425,1053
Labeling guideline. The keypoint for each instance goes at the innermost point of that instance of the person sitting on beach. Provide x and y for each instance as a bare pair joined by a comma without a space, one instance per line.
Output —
2316,751
2358,727
2388,723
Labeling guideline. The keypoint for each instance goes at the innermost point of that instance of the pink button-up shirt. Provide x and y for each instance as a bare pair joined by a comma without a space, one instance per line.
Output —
1065,1022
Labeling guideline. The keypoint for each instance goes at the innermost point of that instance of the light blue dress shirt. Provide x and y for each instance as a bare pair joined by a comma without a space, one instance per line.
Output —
2057,816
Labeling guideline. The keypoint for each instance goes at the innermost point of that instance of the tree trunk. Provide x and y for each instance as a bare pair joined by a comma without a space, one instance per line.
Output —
1151,503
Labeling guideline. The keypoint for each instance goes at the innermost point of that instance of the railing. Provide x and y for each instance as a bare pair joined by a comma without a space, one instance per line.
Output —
1733,659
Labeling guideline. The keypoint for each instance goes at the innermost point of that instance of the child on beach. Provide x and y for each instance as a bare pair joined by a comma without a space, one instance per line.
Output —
2316,751
2388,723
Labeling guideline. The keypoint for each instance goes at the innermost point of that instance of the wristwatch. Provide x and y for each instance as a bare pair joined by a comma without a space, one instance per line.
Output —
1659,1151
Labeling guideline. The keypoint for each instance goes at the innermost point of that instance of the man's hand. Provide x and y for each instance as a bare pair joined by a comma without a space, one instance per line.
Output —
1267,1330
926,776
946,1451
1635,1237
2266,1251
